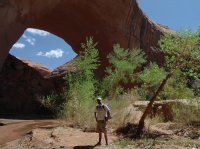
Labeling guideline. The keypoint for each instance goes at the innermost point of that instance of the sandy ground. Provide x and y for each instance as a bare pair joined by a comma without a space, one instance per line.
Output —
46,134
53,134
13,129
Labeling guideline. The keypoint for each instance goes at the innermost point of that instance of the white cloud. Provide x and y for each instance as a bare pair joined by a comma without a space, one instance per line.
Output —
19,45
39,53
37,32
29,39
52,53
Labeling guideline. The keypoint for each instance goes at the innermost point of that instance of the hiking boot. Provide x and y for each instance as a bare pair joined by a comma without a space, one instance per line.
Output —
99,143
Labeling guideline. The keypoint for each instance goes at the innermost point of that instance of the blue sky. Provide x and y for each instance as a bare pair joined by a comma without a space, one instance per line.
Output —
52,51
42,47
176,14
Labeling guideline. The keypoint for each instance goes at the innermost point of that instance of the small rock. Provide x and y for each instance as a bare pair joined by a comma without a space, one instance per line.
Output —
2,124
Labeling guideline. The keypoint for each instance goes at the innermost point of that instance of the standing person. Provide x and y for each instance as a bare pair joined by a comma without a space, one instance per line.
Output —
102,114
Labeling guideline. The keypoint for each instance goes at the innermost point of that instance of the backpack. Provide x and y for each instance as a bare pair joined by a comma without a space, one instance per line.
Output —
108,117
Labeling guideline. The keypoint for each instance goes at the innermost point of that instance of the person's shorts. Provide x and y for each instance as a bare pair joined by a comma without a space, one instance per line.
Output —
101,126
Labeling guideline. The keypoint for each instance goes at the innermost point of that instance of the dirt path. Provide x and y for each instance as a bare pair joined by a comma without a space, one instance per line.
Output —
30,134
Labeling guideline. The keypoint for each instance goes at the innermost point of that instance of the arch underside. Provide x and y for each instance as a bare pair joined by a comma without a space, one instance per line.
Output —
108,22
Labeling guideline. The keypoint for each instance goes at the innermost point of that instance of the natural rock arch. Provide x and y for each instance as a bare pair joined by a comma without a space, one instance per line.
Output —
108,21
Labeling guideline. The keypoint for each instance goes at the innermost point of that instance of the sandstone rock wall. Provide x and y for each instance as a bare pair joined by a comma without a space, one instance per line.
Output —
21,88
108,21
23,84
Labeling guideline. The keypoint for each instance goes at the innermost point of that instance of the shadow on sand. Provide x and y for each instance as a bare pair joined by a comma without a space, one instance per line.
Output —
85,147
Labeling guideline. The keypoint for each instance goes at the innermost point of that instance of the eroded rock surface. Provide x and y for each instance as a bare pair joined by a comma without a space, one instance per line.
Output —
21,88
43,70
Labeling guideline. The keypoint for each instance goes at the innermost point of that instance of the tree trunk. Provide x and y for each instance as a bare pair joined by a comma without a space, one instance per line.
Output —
149,106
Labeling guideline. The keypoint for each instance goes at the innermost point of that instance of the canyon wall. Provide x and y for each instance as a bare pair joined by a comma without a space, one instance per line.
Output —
108,21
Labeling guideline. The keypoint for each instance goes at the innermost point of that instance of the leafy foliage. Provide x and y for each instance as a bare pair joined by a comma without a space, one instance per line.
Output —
181,51
122,69
177,88
152,75
182,55
81,84
150,78
88,60
181,61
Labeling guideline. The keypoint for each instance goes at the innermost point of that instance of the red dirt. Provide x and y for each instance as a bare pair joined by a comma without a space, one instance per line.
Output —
16,130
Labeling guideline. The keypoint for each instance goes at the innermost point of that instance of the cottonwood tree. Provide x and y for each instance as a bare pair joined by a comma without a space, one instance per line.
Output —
182,52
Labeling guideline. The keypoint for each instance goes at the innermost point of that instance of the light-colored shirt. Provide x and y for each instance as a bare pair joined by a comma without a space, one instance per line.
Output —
101,111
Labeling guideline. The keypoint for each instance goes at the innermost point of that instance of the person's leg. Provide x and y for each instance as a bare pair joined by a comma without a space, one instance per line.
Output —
106,137
99,130
105,132
100,137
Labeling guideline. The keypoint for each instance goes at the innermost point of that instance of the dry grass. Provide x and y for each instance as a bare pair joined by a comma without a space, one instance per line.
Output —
122,111
188,113
152,142
83,118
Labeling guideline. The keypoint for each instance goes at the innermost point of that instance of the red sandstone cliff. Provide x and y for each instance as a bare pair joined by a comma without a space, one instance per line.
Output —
108,21
21,88
23,83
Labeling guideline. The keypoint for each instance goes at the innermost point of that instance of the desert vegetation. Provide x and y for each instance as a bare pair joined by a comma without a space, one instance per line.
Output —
130,78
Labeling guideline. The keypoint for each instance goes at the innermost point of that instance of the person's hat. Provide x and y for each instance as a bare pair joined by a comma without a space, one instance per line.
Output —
99,98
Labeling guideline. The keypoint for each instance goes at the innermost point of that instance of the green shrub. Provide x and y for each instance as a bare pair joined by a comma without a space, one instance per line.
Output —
187,113
53,102
177,88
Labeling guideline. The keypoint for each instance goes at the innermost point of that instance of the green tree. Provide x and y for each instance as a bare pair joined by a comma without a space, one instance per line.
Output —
149,78
175,88
81,84
178,87
122,68
88,60
182,51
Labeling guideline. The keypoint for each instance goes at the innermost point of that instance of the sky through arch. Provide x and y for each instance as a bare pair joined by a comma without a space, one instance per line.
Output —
42,47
